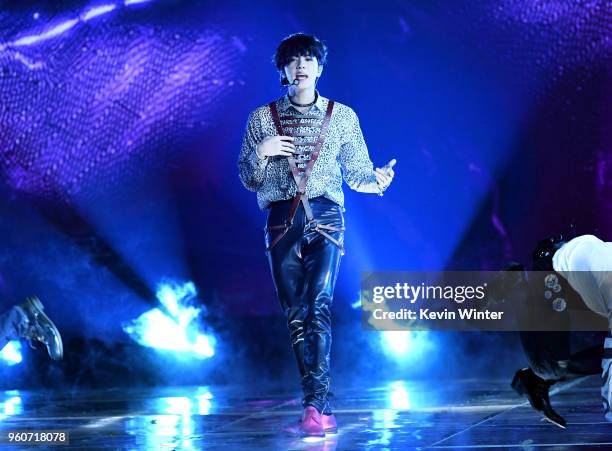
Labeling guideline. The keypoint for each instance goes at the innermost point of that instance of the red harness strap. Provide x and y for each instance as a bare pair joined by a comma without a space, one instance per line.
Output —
301,179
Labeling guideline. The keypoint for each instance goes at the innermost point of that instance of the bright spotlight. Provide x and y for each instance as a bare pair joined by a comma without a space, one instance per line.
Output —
405,345
399,397
11,353
178,333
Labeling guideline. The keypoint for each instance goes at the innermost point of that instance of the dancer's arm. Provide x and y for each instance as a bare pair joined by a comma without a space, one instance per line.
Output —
357,168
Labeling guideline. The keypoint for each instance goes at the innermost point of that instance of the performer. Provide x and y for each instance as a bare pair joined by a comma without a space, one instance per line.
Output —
586,263
305,225
28,320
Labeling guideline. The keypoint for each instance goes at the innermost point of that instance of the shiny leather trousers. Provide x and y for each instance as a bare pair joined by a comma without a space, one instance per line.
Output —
304,267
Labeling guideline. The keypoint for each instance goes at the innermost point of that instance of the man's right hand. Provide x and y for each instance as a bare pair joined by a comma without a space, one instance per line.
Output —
276,145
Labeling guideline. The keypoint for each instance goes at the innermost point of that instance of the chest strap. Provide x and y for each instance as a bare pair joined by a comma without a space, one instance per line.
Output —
301,178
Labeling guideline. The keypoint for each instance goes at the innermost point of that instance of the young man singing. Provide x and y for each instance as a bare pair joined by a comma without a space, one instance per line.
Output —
295,153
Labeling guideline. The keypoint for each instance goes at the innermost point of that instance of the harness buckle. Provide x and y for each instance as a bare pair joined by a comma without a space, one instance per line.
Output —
311,225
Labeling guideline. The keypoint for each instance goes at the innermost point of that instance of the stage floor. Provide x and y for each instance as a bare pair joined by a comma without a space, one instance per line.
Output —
396,415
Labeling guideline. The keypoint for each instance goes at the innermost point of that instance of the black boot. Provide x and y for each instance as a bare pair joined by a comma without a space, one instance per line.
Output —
39,327
526,382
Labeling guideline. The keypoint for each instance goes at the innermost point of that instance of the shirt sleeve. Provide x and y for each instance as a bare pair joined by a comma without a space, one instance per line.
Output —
357,168
251,168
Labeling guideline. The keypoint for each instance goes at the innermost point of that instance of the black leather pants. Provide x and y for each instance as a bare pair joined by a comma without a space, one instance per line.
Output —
545,351
304,267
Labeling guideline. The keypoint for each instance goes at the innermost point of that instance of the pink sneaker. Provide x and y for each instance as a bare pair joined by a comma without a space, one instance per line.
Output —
312,423
329,423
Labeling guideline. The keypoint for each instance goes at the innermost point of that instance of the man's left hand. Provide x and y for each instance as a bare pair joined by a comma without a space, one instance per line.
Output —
384,176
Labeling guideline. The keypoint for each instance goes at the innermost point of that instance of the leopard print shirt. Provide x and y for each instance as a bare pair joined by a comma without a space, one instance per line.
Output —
343,155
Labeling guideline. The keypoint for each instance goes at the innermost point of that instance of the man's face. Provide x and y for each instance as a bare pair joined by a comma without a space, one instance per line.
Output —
306,69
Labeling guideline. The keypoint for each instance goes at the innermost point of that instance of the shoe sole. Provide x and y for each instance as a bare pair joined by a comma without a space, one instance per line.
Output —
332,430
34,301
304,434
519,387
552,421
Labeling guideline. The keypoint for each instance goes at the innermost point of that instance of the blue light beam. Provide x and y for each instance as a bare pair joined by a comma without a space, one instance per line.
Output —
11,353
178,333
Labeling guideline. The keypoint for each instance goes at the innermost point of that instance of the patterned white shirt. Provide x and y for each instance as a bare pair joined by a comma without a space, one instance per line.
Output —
343,155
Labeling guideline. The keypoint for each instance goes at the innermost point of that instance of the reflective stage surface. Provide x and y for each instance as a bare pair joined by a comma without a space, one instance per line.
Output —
395,415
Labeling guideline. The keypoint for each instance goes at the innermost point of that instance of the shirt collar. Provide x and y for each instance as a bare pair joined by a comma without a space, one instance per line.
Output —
284,103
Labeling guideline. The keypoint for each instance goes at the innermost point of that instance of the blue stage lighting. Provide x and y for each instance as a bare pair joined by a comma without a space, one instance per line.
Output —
66,25
135,2
10,406
405,345
177,333
204,399
97,11
399,399
53,32
11,353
